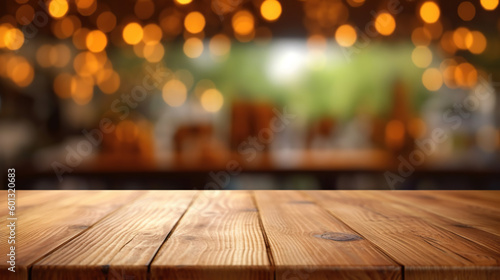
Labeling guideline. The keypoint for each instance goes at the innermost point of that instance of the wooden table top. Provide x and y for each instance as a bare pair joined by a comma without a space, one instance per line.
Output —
282,235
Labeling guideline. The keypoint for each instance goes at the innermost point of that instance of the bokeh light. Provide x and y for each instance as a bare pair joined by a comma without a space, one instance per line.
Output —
193,47
219,45
346,35
82,89
421,56
132,33
466,75
183,2
174,93
475,42
106,21
466,11
270,10
58,8
385,24
152,34
25,14
194,22
430,12
211,100
13,39
432,79
489,5
62,85
96,41
243,22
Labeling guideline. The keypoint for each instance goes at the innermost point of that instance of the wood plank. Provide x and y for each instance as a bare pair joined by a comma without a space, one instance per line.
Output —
28,199
306,241
120,246
63,215
218,238
489,199
426,250
467,214
476,235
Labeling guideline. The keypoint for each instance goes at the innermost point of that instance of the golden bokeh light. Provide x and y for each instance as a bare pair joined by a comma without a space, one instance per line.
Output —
82,89
153,52
219,45
4,28
193,47
245,37
87,64
183,2
316,42
62,85
346,35
421,56
489,5
65,27
243,22
86,7
58,8
139,49
80,38
475,42
174,93
459,36
466,11
434,29
421,37
96,41
171,22
43,56
106,21
270,10
152,34
385,24
194,22
447,67
53,56
13,39
25,14
465,75
108,81
432,79
355,3
430,12
132,33
212,100
20,71
84,4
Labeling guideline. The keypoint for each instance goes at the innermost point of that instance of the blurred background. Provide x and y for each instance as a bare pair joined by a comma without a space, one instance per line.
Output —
250,94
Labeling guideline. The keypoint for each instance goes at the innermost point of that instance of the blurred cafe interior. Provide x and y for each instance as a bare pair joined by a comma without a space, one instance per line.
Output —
250,94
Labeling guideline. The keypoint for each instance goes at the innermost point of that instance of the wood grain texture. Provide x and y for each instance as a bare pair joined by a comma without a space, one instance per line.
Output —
484,199
279,235
218,238
53,219
427,251
465,213
476,235
120,246
307,241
